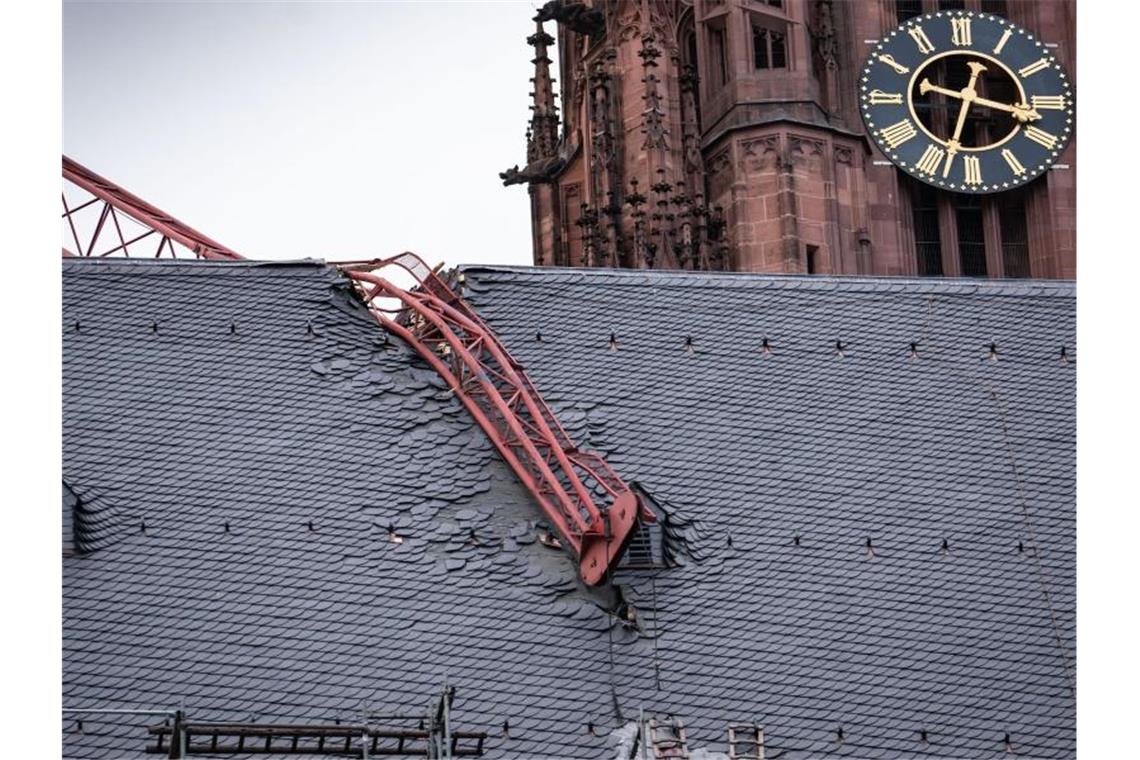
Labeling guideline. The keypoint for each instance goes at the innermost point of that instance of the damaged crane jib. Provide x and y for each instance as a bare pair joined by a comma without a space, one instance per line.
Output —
435,322
465,352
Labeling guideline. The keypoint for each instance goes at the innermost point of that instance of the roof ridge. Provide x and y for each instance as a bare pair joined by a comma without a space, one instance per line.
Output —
80,262
1037,287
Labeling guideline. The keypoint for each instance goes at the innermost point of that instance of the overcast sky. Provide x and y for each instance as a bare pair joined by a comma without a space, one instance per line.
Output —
332,130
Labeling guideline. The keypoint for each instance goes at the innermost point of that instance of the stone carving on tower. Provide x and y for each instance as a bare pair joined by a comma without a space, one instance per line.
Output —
719,134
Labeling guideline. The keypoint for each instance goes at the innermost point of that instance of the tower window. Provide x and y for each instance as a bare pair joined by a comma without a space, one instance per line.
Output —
951,5
769,50
812,257
1014,236
971,235
995,7
927,235
719,56
905,10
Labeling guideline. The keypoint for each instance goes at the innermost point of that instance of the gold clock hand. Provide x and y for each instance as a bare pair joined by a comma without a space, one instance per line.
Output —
1020,111
926,86
969,94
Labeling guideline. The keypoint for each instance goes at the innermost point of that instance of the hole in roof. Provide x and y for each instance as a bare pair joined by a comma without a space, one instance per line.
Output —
233,327
393,537
538,336
153,326
1064,351
839,349
507,728
765,346
922,736
993,351
311,526
77,326
547,538
914,349
627,616
796,539
870,547
945,547
689,343
839,734
613,346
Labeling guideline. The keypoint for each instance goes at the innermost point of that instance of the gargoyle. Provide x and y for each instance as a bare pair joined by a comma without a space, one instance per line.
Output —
536,171
576,15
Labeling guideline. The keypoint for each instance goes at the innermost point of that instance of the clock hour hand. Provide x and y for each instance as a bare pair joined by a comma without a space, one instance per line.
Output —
1021,111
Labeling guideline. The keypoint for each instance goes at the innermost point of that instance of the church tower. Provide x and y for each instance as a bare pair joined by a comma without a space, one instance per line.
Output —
727,135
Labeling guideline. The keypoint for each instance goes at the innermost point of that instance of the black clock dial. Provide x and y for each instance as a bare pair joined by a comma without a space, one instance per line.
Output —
967,101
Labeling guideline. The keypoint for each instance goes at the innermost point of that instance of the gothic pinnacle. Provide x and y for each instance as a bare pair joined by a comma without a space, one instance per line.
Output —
543,142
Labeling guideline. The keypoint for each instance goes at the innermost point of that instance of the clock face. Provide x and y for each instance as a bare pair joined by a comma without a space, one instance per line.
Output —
966,101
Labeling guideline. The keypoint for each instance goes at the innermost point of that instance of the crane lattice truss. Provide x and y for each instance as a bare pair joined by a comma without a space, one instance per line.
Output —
103,219
591,507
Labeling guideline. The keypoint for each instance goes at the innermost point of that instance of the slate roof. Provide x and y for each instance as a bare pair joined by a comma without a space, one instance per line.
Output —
238,437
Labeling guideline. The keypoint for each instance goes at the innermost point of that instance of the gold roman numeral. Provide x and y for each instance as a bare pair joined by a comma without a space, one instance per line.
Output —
896,134
920,39
1001,43
960,31
1034,67
879,98
930,159
973,168
890,61
1049,102
1041,137
1011,159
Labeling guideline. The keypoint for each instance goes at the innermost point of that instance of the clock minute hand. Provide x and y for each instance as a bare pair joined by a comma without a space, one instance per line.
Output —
969,94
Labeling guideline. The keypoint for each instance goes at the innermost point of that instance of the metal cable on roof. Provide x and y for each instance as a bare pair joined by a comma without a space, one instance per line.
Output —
1042,573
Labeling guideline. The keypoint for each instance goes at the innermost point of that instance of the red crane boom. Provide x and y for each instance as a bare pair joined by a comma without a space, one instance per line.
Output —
113,201
591,507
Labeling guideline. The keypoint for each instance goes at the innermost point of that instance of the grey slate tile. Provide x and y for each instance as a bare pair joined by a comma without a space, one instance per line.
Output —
271,427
